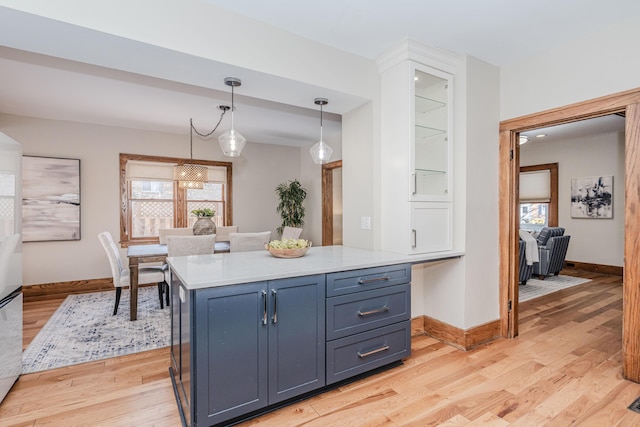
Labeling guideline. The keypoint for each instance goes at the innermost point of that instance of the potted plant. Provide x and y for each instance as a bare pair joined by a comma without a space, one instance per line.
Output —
290,208
204,224
204,213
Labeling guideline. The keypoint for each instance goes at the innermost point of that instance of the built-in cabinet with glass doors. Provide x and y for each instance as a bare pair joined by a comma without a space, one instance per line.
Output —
417,141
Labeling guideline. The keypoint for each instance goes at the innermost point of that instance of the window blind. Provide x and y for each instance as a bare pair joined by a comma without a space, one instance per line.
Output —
157,171
535,186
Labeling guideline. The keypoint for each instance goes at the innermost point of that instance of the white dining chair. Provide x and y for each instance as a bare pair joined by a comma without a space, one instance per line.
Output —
291,233
121,275
224,231
183,246
191,245
244,242
222,237
164,232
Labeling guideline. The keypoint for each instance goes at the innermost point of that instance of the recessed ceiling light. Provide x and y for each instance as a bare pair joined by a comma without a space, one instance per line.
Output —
523,139
416,78
541,135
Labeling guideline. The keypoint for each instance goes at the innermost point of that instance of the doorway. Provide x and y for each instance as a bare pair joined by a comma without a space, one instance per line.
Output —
332,203
626,103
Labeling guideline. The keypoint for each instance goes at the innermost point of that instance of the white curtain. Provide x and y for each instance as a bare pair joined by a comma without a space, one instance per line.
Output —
160,171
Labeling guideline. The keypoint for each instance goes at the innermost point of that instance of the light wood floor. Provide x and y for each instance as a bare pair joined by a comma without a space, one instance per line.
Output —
564,369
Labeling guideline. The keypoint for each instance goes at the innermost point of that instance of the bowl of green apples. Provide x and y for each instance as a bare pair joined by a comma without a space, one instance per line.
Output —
288,248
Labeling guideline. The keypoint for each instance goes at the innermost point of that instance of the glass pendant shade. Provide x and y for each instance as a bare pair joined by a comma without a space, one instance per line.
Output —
191,176
232,142
320,152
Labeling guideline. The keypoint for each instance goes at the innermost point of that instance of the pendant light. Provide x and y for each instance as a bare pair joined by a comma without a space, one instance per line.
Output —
232,142
321,152
190,175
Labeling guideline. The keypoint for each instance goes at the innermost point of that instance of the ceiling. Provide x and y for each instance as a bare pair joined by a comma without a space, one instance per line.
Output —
497,31
37,74
611,123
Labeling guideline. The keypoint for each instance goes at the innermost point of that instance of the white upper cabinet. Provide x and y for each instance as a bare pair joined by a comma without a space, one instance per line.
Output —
416,112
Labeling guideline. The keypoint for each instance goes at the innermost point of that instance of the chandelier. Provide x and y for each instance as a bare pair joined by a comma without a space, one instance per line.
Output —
189,175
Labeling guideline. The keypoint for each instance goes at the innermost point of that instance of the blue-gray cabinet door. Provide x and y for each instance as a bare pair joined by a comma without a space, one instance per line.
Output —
296,336
231,352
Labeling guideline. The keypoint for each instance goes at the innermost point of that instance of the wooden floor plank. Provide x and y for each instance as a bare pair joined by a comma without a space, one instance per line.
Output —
564,369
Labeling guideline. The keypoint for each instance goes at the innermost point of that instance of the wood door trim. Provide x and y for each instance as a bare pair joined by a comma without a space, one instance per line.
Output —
622,102
631,272
327,201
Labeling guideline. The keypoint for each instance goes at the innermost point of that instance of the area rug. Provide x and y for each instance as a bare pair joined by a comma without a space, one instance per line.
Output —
536,288
83,329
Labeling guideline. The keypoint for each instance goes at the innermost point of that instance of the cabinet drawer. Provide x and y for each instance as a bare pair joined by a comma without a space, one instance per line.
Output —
358,312
356,354
367,278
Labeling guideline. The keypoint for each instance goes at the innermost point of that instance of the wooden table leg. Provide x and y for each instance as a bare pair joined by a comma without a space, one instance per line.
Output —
133,289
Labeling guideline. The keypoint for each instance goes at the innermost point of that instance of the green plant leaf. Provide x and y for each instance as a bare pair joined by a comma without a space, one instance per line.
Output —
290,207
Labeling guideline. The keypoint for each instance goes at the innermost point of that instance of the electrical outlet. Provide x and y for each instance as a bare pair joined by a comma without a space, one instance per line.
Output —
365,222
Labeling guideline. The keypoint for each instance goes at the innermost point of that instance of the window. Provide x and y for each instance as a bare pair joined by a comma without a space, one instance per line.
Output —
150,199
534,216
212,197
150,206
538,196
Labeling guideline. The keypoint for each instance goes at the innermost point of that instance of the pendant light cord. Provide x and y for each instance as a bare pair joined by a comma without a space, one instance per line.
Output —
231,106
320,122
224,110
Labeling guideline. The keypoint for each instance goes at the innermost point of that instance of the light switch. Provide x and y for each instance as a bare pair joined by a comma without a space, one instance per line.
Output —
365,222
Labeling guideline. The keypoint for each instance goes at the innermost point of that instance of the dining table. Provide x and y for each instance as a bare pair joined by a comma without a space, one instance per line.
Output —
145,253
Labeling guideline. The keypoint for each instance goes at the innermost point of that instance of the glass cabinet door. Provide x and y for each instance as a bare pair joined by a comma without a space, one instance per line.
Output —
431,154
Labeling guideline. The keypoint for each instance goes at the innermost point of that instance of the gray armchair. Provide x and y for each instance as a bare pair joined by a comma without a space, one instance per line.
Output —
548,232
551,256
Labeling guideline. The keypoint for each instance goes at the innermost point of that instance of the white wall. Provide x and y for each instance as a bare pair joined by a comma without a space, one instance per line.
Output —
358,175
311,180
98,148
481,191
597,241
600,64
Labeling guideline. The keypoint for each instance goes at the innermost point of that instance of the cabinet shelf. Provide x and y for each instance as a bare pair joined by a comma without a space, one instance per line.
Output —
425,104
426,132
430,171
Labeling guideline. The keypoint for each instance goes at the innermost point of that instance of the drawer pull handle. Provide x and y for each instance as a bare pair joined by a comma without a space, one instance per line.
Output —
369,353
370,312
375,279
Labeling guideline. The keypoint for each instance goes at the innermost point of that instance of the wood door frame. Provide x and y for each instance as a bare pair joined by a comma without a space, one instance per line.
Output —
327,201
627,102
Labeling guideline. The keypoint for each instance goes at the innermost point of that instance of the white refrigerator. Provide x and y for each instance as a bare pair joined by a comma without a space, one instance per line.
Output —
10,263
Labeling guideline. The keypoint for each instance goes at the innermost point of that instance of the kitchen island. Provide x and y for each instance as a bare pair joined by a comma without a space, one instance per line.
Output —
251,332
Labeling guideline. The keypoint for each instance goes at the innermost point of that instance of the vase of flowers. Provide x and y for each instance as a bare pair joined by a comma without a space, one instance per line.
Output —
204,224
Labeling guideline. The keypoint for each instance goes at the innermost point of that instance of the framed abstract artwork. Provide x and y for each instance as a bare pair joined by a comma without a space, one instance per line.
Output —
592,197
50,199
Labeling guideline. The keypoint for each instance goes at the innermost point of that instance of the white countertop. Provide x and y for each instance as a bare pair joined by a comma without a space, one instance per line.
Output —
206,271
